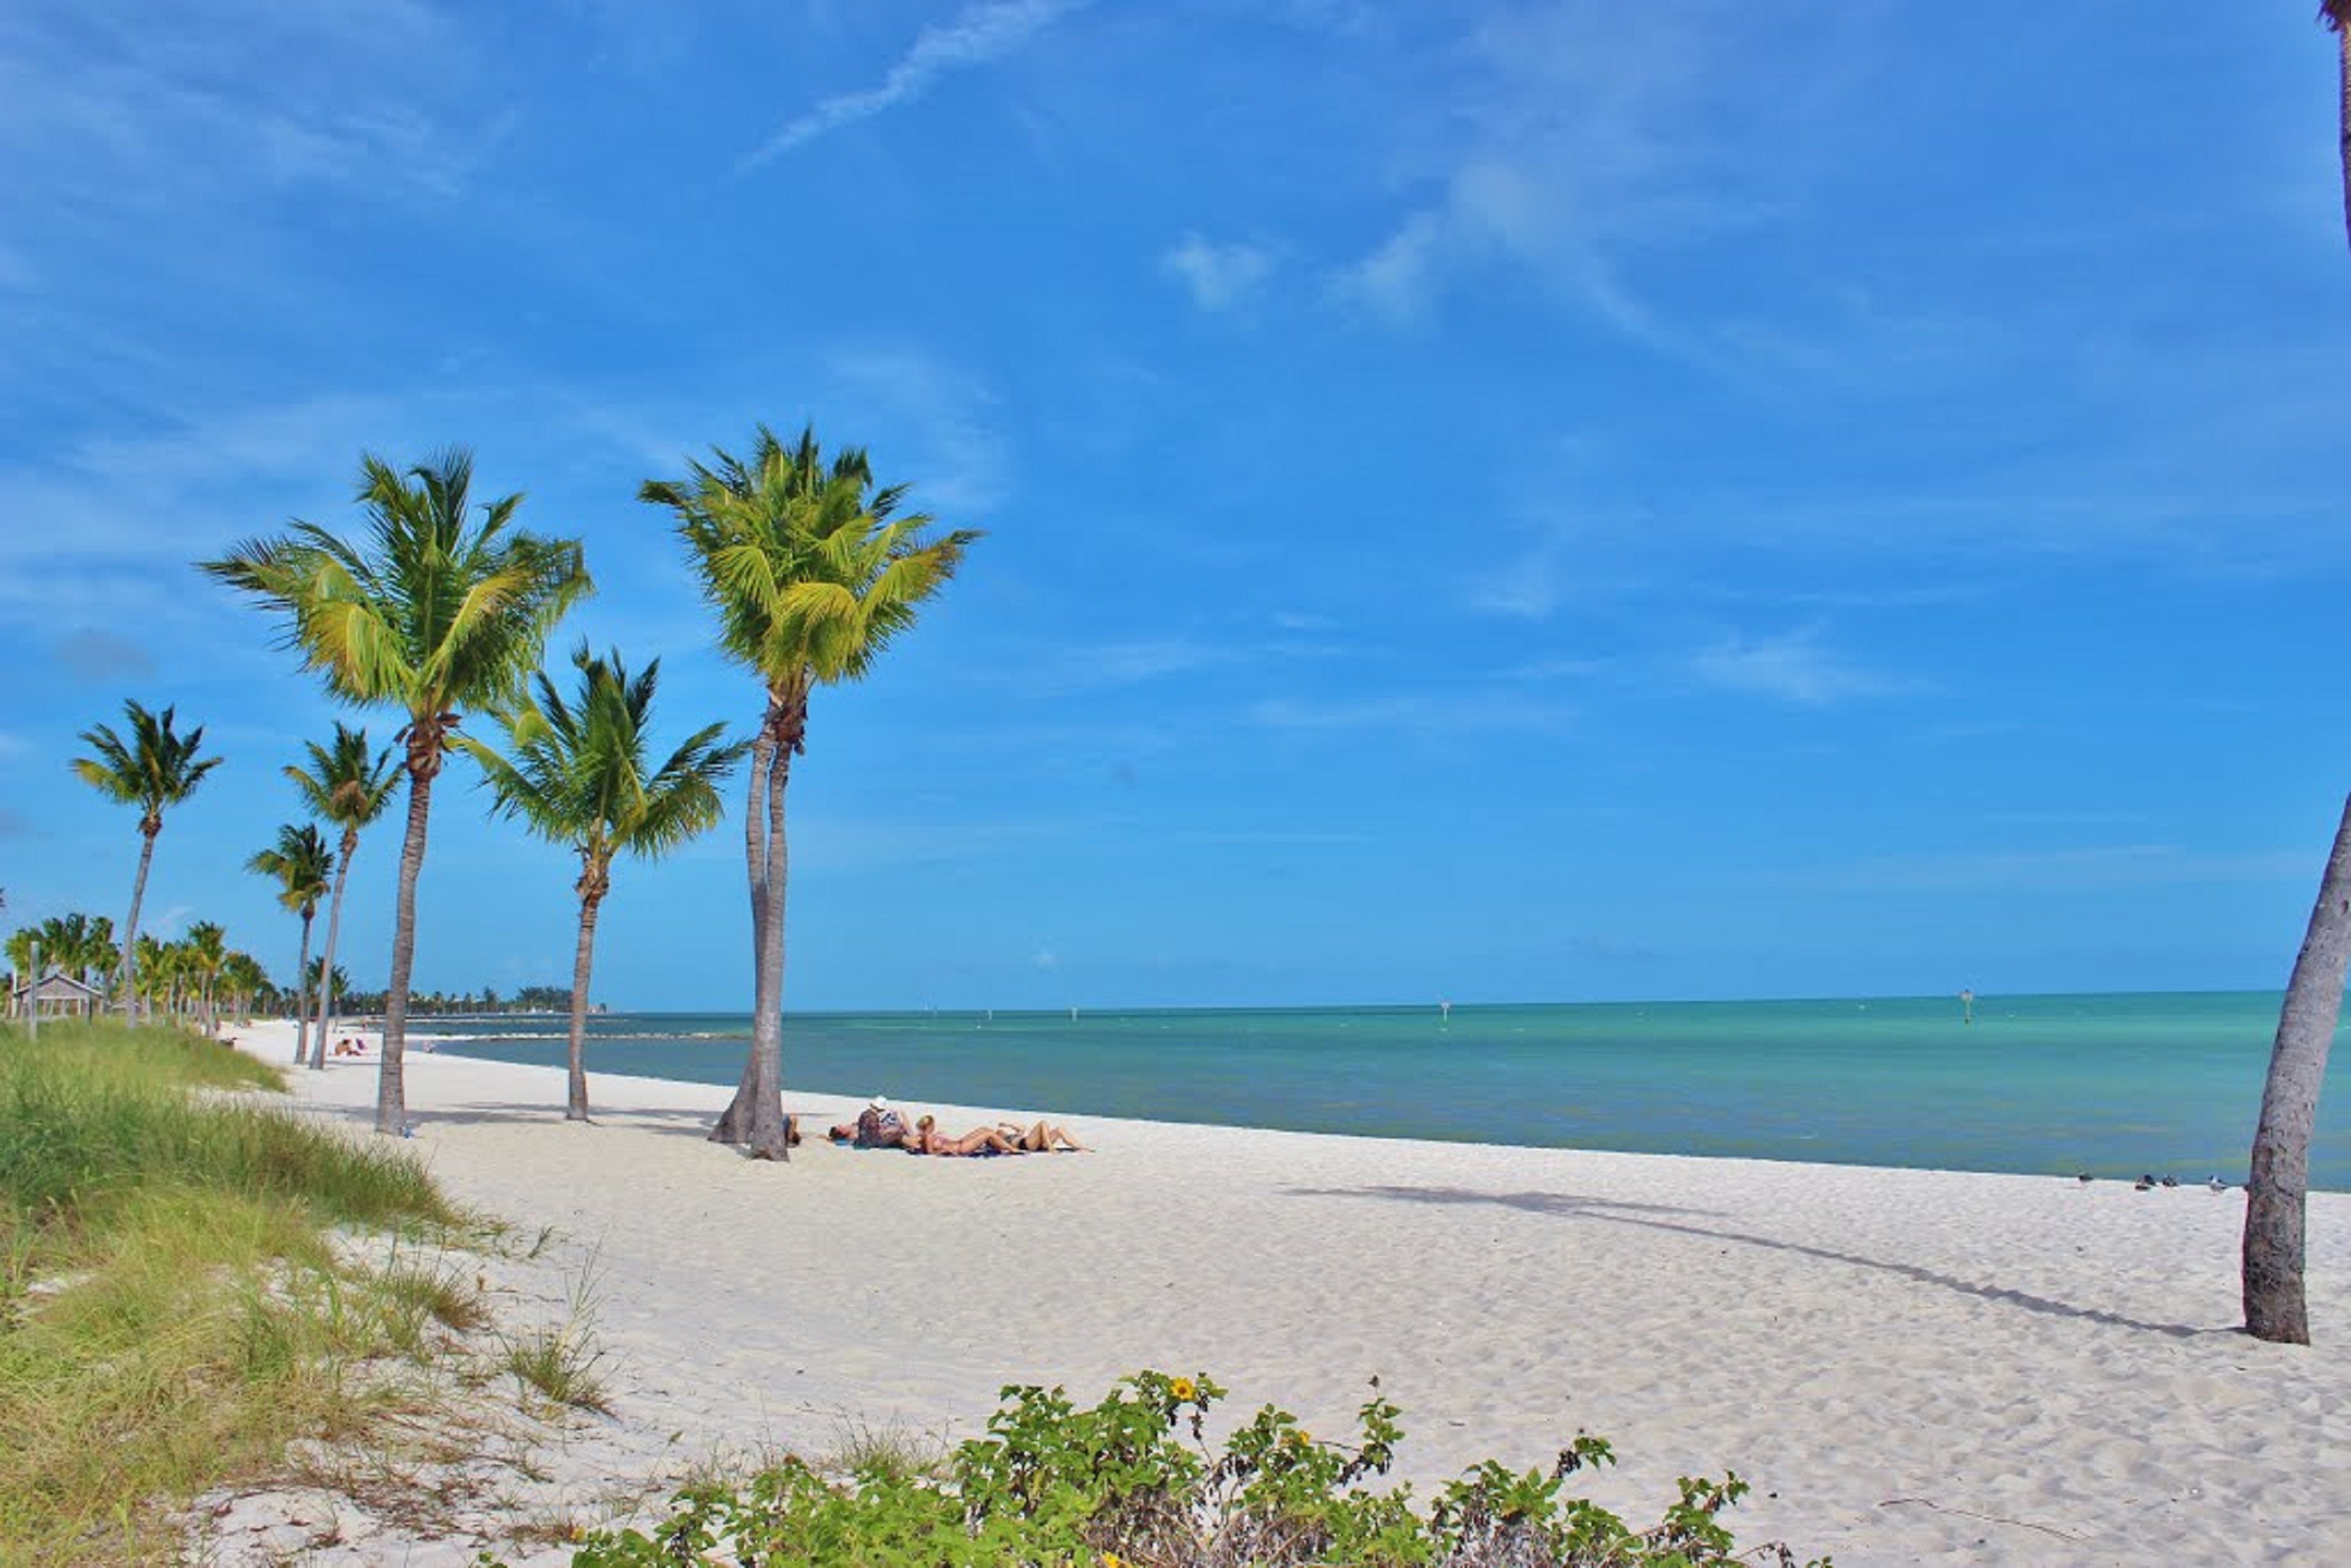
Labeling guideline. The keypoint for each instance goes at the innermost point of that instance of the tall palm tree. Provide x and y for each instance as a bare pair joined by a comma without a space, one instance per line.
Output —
812,577
2277,1188
430,615
579,774
155,769
2335,15
347,788
301,863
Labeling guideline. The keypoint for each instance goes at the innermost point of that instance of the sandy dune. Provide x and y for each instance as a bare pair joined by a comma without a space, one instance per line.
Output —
1911,1366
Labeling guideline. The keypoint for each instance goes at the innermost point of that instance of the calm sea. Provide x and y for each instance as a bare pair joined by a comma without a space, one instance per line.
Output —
2166,1082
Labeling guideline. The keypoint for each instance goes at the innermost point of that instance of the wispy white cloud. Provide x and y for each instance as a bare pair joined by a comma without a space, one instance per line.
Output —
1794,667
954,433
163,112
981,34
1561,138
1219,276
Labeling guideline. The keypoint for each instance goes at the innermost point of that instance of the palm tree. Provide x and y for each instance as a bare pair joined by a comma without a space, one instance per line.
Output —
348,788
155,769
301,863
208,949
811,578
2335,15
579,775
23,943
2277,1188
431,616
243,979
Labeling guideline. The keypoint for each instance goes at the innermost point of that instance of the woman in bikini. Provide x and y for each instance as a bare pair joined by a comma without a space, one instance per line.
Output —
928,1139
1043,1139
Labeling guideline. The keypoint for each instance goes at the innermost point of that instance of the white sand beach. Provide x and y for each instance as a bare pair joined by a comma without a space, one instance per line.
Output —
1910,1367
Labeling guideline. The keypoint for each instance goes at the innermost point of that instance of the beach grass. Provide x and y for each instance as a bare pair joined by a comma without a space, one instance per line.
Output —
174,1308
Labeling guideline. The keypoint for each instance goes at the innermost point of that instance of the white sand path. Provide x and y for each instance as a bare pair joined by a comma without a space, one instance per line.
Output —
1911,1366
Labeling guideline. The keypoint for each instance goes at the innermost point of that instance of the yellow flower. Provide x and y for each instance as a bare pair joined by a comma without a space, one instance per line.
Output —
1110,1560
1298,1439
1184,1389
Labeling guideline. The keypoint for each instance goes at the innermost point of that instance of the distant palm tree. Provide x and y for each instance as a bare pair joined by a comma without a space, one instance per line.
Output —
581,776
155,769
348,788
432,617
301,863
243,980
207,948
23,943
812,577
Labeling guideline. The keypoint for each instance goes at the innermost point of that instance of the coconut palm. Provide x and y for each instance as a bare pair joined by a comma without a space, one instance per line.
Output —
155,769
2277,1188
429,614
579,774
301,863
812,577
347,788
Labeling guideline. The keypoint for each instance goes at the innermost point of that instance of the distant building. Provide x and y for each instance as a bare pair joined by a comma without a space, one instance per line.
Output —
57,995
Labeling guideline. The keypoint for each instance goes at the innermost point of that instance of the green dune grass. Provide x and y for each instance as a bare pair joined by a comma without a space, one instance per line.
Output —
171,1310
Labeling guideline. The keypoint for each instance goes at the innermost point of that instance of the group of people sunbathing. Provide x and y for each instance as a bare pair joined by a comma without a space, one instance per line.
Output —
882,1124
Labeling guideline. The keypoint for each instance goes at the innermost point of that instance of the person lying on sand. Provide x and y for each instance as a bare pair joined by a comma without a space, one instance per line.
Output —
348,1046
1043,1139
878,1125
928,1139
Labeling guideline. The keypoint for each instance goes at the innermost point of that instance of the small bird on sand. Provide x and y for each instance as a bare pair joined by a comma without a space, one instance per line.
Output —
2143,1184
2086,1178
2216,1184
2171,1181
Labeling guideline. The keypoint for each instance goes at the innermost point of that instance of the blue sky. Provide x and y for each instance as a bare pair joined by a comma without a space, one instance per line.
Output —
1503,501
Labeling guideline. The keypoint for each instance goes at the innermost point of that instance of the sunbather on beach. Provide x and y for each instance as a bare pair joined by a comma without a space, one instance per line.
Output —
1043,1139
928,1139
879,1125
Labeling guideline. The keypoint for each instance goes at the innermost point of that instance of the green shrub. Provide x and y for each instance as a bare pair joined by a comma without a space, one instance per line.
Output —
1133,1483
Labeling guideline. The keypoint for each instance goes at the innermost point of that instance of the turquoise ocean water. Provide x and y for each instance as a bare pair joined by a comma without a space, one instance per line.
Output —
2163,1083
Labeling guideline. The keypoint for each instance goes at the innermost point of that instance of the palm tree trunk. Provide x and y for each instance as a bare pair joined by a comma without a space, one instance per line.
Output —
735,1122
131,931
2276,1308
767,1141
2339,15
582,960
391,1094
326,959
302,986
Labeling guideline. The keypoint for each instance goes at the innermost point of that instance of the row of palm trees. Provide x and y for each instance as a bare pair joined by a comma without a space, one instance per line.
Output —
187,980
75,944
439,616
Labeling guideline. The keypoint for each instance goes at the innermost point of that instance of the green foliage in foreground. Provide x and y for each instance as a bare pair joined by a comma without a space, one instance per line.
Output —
1133,1483
170,1311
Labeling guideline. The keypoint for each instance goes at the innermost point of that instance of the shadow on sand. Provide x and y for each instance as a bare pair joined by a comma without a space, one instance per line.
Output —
1568,1206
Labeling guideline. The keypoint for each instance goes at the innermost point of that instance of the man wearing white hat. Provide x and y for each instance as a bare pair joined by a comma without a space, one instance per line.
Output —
879,1124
